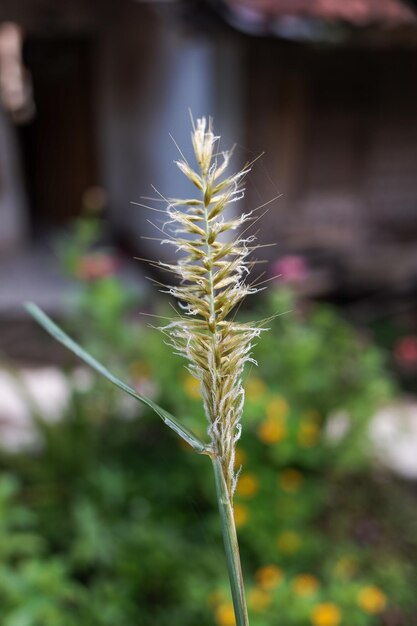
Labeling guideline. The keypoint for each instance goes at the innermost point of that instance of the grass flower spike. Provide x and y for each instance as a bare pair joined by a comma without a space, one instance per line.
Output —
213,269
212,273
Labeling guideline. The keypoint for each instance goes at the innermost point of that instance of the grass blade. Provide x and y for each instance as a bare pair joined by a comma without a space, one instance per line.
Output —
58,334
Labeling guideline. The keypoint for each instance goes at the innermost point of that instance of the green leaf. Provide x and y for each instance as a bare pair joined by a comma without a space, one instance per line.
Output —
69,343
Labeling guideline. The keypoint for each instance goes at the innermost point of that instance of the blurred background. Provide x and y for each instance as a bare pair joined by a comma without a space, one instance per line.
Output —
105,517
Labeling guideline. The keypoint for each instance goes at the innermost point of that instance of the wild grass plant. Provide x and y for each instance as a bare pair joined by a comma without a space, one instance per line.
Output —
212,270
312,555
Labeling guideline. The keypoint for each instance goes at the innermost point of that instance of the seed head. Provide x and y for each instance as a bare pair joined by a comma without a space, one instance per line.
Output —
212,270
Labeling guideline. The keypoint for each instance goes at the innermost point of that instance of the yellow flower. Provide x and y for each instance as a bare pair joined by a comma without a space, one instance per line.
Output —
372,600
288,541
277,408
305,585
326,614
259,600
268,576
240,457
241,514
308,434
345,567
290,480
255,388
192,387
247,486
272,430
225,615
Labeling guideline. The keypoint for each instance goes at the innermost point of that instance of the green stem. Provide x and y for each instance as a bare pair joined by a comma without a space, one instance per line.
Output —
231,546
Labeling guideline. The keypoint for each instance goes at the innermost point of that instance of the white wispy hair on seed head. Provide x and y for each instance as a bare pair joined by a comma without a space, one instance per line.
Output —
212,276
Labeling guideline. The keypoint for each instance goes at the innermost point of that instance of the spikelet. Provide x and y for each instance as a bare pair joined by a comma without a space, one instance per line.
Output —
212,272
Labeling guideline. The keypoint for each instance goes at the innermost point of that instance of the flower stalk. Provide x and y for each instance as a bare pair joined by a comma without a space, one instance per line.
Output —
212,272
231,546
212,268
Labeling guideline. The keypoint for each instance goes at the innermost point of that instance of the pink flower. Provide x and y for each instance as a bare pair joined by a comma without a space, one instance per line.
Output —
405,351
291,269
95,266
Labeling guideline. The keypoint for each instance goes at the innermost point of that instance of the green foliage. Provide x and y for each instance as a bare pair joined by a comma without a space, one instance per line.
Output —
114,521
35,586
324,366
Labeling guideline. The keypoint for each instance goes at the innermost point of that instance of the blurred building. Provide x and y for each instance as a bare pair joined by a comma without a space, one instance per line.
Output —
332,100
327,89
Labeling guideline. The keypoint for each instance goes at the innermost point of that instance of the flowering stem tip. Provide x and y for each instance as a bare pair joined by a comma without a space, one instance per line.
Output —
212,269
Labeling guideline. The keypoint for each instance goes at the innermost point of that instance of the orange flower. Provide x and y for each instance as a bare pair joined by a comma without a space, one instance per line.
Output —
345,567
290,480
259,600
192,387
269,576
225,615
326,614
247,486
277,408
241,514
308,434
240,457
288,541
305,585
372,600
272,430
255,388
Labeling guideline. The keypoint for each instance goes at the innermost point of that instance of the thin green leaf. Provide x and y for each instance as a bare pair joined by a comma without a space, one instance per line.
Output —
69,343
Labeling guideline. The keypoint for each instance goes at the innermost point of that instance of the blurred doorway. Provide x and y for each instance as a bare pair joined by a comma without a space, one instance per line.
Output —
58,146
